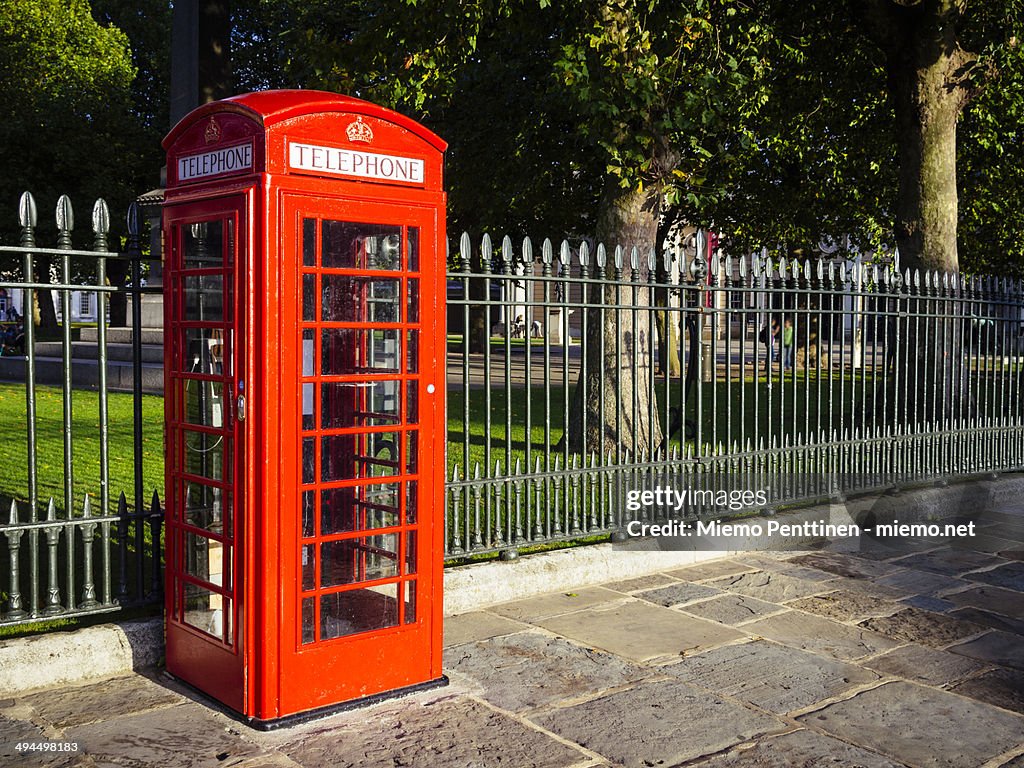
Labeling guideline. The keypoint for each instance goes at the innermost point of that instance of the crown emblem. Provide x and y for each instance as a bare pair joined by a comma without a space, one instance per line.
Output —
212,131
359,131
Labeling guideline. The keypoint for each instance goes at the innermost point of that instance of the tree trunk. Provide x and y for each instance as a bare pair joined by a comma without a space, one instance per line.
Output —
611,409
928,85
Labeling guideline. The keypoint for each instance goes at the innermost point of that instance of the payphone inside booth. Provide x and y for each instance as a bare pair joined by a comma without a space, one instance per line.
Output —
304,385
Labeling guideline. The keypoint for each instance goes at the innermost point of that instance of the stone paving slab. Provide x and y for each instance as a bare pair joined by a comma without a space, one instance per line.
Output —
844,605
950,562
1001,687
641,583
657,723
990,620
733,609
447,733
820,635
679,593
529,670
478,625
640,631
922,727
987,540
799,749
787,567
553,604
1009,576
912,582
769,586
925,665
929,603
15,731
997,647
845,565
996,599
184,736
711,570
770,676
913,625
114,697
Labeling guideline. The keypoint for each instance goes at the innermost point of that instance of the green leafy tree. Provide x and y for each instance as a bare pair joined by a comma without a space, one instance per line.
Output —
65,114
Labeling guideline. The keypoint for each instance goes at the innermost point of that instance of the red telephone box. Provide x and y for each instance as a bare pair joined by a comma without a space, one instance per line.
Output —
304,386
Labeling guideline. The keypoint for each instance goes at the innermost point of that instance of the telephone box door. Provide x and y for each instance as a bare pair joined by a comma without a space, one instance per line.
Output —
204,435
367,413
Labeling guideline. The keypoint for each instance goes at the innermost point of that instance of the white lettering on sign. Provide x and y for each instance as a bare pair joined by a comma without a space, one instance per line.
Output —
349,162
227,160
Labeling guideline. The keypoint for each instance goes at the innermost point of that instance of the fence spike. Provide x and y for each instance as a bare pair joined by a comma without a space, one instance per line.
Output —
652,260
465,250
51,511
506,251
65,216
565,253
487,252
527,251
602,256
13,516
617,256
519,467
476,470
27,214
546,251
86,507
584,254
455,473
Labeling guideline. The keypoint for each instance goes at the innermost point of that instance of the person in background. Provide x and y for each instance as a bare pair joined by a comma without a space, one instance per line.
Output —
787,344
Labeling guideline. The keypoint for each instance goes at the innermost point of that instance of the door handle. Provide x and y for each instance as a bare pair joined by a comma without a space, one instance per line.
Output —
240,408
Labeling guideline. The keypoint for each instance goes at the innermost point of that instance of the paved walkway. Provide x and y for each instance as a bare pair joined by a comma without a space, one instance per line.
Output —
880,657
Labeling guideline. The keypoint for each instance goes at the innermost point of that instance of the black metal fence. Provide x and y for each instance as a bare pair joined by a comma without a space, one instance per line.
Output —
89,547
576,372
573,372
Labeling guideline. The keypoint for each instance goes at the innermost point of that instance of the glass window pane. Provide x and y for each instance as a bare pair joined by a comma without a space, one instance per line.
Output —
308,396
205,352
348,299
308,352
202,244
410,603
350,457
205,559
204,298
308,460
308,567
411,447
207,611
308,620
309,298
412,352
412,301
413,249
207,508
203,403
364,507
365,559
412,391
359,404
361,246
348,350
358,610
204,455
411,503
410,552
308,513
309,242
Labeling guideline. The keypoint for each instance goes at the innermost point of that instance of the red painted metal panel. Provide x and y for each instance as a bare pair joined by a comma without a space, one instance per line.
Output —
330,572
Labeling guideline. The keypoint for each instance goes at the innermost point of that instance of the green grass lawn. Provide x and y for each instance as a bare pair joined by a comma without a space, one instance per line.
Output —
85,445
